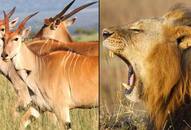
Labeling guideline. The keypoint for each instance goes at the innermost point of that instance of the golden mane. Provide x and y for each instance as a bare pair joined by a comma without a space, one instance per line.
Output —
179,14
174,86
172,90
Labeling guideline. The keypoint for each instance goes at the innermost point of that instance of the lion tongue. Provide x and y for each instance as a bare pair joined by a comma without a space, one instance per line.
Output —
131,76
131,79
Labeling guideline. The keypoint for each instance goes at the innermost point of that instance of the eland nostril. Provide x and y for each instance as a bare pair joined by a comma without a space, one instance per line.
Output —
106,33
4,55
3,39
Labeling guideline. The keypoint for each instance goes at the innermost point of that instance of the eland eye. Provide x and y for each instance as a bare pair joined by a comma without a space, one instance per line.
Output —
57,22
52,27
16,39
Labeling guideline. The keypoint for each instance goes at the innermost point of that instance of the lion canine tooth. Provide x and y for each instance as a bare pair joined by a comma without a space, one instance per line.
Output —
111,54
125,85
128,88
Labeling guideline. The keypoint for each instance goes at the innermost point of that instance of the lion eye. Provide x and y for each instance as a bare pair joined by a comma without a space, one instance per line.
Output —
136,30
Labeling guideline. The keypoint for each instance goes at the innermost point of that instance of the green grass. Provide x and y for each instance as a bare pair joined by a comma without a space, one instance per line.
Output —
84,37
82,119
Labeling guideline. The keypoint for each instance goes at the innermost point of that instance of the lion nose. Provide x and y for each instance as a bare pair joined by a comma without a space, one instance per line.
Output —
106,33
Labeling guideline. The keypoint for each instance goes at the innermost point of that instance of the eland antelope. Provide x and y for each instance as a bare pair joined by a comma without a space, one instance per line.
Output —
64,79
12,23
42,47
56,27
9,71
24,94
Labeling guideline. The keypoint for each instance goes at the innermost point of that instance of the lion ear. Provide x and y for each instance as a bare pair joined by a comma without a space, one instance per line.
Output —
183,36
184,42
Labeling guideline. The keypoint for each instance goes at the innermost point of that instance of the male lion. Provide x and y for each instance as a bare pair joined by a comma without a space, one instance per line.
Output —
159,59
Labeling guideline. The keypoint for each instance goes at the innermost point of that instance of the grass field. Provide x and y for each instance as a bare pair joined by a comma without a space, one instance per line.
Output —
82,119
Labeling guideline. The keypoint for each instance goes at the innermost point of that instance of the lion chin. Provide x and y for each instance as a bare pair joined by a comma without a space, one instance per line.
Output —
159,65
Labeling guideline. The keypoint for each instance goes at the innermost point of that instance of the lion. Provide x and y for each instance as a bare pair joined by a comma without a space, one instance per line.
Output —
158,54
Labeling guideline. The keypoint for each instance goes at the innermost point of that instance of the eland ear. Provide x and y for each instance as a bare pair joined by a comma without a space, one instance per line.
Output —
69,22
25,33
13,22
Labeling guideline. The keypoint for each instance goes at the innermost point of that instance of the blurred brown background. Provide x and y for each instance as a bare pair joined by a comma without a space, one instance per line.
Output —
120,12
116,111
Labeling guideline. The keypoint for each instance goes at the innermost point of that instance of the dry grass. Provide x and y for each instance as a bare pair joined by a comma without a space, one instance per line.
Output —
116,111
82,119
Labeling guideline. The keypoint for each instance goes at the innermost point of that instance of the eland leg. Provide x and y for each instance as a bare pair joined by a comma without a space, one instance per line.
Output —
63,116
27,118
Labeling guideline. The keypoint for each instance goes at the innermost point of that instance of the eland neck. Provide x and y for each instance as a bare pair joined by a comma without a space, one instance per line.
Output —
25,58
60,33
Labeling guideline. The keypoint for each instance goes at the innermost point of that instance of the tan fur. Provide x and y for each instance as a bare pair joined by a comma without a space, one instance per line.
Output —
65,80
43,47
60,33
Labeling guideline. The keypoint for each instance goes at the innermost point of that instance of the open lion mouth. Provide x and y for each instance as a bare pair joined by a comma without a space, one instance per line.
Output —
129,86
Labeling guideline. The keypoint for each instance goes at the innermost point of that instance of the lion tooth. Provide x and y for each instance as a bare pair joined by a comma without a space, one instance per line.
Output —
128,88
125,85
111,54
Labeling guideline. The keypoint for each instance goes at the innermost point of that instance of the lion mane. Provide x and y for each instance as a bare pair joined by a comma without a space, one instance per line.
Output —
169,104
174,95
